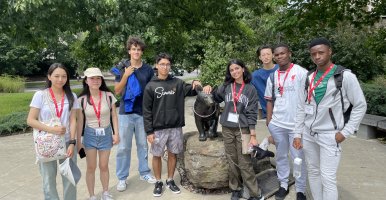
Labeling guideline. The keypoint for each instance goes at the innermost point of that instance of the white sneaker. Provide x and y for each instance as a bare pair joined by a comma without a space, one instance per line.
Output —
93,198
264,144
107,196
121,186
148,177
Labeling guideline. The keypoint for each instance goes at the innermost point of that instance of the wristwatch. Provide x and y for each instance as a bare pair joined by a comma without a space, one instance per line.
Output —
73,141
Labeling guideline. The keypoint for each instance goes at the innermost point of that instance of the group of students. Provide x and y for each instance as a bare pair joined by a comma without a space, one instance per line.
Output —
305,120
308,114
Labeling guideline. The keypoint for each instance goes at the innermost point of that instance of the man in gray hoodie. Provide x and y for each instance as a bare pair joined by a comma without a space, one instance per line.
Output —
320,125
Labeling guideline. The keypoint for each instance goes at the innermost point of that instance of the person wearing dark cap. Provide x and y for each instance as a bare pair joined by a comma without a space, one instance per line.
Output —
324,120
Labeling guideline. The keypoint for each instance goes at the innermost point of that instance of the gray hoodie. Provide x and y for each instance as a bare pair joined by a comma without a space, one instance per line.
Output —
321,121
246,105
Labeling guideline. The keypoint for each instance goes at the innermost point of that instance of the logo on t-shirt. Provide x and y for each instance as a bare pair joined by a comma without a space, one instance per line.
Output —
293,77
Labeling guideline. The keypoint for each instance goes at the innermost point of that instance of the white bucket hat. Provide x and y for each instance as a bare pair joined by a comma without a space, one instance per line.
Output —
93,71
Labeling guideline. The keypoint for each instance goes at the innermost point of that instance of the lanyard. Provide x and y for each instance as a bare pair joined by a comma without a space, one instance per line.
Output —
281,87
58,113
97,112
312,88
236,97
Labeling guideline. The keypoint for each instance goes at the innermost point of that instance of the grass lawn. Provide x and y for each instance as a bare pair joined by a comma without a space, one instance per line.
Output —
14,102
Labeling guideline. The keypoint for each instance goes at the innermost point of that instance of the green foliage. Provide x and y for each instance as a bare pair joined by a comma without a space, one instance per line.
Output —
376,99
81,34
11,84
352,48
14,102
12,123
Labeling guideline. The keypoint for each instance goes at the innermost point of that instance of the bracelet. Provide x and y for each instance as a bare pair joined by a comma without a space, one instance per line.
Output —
73,141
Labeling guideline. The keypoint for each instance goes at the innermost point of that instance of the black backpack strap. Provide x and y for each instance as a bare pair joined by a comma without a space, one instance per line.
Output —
84,115
338,78
272,77
110,102
307,83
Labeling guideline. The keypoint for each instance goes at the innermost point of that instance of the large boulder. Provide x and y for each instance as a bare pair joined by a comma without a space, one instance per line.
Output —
204,163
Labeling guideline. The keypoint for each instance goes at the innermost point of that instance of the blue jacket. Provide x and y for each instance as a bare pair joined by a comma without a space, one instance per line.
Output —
133,90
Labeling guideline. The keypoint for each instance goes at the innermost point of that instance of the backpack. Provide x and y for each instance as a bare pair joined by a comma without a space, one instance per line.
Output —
338,79
83,106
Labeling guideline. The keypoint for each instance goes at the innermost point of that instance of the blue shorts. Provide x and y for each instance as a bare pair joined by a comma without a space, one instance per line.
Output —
92,141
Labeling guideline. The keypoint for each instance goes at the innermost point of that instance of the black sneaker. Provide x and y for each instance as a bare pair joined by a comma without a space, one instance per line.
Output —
280,195
236,194
300,196
157,192
173,187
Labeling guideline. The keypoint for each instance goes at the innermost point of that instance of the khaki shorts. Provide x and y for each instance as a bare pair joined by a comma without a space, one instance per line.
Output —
172,138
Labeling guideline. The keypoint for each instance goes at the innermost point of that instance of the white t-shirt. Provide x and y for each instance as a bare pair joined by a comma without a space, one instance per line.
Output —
45,113
284,110
92,120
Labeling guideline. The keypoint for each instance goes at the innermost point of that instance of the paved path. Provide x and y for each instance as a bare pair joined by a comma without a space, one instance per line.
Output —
361,174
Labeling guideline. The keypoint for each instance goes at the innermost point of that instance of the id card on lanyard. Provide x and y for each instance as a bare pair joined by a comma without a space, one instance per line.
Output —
98,131
233,116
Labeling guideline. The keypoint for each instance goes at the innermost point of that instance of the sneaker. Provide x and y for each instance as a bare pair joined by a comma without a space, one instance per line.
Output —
260,197
236,194
121,186
148,177
106,196
157,192
300,196
93,198
281,194
173,187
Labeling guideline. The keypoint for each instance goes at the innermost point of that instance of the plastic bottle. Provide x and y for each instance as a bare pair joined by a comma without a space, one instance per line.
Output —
297,172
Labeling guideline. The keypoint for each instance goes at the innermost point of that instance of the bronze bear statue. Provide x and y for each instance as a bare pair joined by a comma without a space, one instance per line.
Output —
206,114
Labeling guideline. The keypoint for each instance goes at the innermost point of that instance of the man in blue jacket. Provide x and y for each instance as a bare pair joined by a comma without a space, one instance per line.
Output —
130,82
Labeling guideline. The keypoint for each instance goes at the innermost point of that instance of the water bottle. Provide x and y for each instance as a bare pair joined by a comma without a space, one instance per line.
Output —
297,168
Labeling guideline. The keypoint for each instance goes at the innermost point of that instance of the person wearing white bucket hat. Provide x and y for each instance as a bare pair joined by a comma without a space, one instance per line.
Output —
98,123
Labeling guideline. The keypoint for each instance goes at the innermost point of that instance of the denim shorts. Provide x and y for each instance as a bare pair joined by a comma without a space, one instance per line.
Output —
91,141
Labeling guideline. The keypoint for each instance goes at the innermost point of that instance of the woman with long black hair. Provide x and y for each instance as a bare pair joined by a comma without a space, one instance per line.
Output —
57,96
238,121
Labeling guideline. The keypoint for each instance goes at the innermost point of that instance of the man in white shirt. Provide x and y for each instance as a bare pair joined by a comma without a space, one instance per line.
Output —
282,98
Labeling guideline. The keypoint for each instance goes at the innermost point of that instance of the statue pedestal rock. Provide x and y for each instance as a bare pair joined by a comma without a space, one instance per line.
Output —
203,165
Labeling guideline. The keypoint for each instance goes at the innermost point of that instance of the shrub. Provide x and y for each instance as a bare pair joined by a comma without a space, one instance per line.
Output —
12,123
376,99
11,84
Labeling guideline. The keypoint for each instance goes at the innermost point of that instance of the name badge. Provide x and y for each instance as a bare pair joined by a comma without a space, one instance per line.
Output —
100,132
309,109
233,117
280,101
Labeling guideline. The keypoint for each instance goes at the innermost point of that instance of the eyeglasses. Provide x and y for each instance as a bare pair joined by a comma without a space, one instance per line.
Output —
164,65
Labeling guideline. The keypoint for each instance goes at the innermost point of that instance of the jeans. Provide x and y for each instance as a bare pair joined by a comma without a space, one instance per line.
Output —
283,141
48,171
129,125
322,156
